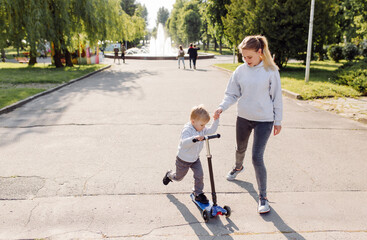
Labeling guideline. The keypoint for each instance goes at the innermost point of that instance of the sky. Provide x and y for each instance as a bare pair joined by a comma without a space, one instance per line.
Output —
153,6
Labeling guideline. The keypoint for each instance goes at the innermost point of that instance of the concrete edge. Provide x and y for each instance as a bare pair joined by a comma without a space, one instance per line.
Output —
284,91
20,103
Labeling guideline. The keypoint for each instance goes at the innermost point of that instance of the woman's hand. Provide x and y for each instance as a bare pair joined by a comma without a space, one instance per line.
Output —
277,129
217,113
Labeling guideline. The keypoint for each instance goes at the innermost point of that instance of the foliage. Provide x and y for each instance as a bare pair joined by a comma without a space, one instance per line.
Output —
353,74
350,51
335,52
184,24
363,47
216,11
66,23
234,26
162,15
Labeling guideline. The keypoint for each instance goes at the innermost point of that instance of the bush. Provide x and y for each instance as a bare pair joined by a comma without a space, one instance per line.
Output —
353,74
364,48
335,52
350,51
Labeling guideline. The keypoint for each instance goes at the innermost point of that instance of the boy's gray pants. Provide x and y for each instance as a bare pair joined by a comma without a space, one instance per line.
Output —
182,168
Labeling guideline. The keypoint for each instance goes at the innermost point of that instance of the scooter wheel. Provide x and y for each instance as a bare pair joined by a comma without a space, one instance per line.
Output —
205,215
228,209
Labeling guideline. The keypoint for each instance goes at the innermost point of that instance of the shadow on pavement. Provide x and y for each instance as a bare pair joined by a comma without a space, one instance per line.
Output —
215,225
272,216
37,115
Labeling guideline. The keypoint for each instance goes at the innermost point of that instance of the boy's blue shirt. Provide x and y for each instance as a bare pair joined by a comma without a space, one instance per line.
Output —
189,151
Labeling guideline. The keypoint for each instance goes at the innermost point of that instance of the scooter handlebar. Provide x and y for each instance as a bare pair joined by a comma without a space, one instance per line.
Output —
207,137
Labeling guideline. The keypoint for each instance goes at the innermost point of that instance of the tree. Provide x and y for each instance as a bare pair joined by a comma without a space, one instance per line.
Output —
234,27
283,23
190,22
4,28
162,16
173,24
324,26
129,7
216,10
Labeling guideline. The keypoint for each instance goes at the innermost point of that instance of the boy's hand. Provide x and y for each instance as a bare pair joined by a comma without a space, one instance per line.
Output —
217,113
200,138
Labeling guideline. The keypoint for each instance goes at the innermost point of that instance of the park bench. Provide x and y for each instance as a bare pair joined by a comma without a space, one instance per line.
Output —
22,59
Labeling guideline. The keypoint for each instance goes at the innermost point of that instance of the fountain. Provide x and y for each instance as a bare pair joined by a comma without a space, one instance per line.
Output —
160,48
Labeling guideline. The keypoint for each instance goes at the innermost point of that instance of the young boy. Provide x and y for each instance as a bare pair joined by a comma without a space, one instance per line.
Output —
188,151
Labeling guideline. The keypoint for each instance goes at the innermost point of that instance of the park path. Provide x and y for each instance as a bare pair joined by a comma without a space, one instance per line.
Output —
87,162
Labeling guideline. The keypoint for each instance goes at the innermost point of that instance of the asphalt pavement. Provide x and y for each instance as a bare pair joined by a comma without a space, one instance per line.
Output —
87,162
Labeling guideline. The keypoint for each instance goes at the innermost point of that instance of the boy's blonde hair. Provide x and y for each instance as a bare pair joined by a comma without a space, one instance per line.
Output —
259,42
199,113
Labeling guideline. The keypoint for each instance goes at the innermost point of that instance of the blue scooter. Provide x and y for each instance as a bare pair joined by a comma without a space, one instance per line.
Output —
211,209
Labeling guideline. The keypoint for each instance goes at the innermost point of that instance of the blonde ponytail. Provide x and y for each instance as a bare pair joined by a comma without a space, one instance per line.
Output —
259,42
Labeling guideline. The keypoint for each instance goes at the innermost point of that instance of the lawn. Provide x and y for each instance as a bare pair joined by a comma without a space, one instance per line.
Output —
319,85
18,81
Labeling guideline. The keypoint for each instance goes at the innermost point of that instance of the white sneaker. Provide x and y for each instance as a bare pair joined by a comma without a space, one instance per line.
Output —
263,206
233,173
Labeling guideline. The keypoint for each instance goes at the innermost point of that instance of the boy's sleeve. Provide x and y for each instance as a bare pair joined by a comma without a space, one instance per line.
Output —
186,138
213,128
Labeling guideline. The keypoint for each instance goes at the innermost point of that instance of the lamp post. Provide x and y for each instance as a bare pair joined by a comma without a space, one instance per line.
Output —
309,44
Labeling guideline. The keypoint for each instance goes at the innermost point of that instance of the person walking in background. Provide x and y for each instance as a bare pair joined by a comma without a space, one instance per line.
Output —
116,51
193,54
181,57
123,51
255,85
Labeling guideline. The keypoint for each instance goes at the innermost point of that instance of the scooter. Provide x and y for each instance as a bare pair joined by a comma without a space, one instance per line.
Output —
211,209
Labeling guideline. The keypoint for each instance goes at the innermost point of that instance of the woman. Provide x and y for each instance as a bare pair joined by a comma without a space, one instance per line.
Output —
255,85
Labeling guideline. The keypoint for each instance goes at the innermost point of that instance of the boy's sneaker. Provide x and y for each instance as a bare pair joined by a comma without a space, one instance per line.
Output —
233,173
166,179
201,198
263,205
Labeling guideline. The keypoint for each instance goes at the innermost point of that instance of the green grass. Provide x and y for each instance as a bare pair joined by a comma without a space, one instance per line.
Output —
320,84
225,51
14,74
13,95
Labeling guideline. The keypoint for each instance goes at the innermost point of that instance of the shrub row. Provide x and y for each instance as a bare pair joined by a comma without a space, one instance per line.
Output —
353,74
349,52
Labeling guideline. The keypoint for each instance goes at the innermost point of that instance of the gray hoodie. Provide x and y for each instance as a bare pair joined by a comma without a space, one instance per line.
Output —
189,151
258,93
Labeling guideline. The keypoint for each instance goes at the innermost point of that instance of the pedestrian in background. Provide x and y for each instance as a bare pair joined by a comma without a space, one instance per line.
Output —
193,54
181,57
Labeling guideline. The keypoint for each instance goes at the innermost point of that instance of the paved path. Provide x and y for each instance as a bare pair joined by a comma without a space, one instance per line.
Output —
87,162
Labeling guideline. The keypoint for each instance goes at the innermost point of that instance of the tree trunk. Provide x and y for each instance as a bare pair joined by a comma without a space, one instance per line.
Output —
57,58
3,54
32,56
68,61
215,44
220,46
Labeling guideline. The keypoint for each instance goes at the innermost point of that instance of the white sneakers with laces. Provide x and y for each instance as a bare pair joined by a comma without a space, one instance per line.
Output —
263,205
233,173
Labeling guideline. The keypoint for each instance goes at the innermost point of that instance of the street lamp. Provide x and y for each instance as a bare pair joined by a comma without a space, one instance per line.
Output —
309,44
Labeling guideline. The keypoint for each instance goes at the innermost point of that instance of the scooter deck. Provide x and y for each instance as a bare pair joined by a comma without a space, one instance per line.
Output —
202,206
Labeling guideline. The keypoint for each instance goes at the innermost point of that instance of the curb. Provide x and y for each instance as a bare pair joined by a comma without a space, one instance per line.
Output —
13,106
284,91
